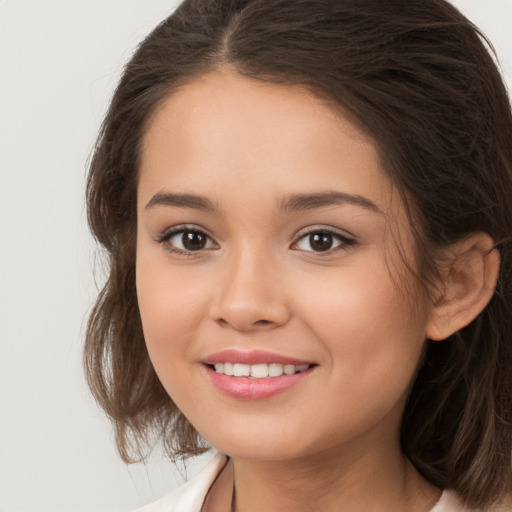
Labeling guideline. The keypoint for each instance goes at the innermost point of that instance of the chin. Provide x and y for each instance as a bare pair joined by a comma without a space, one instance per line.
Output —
270,444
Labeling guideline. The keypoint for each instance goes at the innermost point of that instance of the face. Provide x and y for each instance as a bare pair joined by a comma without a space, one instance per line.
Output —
268,278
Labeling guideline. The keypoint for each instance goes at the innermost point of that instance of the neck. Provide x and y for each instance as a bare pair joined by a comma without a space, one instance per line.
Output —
332,482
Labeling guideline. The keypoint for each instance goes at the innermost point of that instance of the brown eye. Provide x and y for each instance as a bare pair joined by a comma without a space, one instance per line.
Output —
187,240
322,241
193,240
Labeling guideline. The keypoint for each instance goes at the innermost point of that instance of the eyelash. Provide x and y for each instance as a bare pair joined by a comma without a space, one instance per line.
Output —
344,240
168,235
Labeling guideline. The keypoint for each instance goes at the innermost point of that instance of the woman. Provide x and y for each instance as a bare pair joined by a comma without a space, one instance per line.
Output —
305,204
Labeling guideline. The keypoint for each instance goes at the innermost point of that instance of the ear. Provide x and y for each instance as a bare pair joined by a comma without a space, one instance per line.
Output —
469,276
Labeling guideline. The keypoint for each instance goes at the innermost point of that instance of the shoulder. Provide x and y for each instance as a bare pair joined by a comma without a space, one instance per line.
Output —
451,502
190,496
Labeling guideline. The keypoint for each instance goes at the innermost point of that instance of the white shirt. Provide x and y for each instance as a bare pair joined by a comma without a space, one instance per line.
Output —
191,495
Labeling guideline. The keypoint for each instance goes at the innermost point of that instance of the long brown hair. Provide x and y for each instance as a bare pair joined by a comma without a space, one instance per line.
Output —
421,80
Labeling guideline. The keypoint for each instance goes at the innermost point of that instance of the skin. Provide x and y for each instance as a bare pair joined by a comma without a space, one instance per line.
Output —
332,441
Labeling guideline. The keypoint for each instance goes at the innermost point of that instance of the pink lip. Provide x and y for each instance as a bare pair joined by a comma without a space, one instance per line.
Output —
247,388
251,357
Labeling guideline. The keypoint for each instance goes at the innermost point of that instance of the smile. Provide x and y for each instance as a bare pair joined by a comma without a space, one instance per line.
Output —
256,374
259,371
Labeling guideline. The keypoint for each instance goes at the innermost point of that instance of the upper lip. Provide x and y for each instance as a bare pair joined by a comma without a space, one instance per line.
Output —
252,357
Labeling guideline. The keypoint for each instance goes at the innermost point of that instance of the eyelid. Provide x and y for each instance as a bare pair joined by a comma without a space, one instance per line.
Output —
172,231
346,238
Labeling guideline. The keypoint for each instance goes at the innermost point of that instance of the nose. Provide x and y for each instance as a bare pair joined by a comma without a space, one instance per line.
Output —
251,294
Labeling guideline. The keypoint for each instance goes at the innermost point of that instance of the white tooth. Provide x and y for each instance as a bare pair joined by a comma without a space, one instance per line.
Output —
260,371
302,367
228,368
219,367
289,369
241,370
275,370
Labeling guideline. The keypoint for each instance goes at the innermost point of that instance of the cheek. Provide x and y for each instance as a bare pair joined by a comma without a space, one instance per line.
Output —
372,332
170,311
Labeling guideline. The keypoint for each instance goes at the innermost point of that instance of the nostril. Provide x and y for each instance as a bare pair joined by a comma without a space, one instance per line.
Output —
262,322
245,326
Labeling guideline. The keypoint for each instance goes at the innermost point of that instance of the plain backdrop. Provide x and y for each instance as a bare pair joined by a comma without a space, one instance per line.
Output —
59,63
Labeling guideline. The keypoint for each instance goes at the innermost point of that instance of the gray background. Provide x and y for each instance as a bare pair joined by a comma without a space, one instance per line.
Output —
59,62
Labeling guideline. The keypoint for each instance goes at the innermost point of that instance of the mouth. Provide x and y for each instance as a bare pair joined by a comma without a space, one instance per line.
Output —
258,371
255,375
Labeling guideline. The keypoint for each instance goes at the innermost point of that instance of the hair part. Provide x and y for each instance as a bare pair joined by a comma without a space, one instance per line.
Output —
420,80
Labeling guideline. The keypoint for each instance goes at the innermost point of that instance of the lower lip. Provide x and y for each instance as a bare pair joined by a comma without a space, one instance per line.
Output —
246,388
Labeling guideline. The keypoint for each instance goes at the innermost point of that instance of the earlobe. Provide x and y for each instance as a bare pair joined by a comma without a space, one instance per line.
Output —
469,276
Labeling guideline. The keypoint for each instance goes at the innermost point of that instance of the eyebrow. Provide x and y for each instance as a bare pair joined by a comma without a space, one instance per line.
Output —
293,203
182,201
300,202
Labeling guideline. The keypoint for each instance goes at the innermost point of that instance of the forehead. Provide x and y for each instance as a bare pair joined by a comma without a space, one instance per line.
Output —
223,128
199,98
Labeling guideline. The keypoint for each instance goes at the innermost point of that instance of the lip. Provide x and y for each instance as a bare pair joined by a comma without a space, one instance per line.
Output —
252,357
247,388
